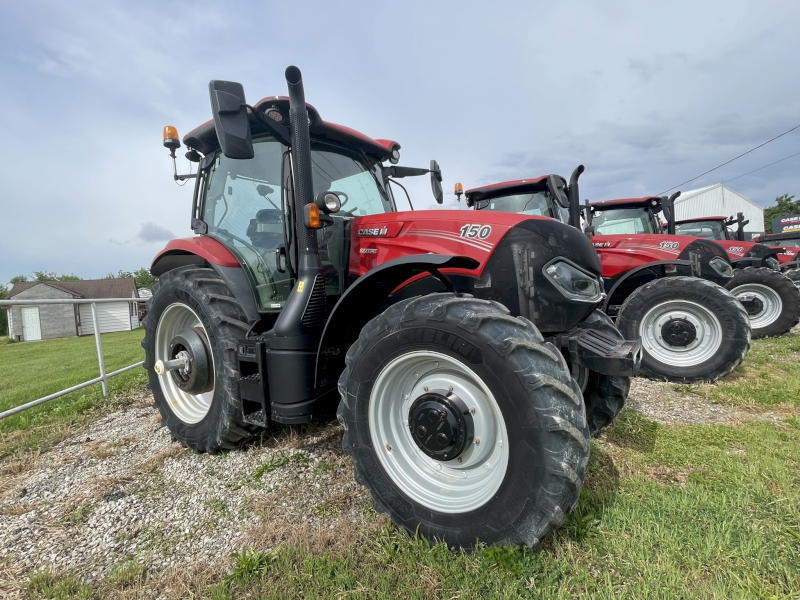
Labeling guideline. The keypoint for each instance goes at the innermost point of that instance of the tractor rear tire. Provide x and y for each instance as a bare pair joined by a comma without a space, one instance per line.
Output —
778,300
522,472
197,298
603,395
692,330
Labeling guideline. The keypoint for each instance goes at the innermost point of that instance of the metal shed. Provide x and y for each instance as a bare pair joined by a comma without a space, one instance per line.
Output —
718,199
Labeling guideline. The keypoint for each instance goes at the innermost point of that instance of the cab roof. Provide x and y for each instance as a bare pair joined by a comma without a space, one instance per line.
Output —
204,138
620,202
499,189
697,219
771,237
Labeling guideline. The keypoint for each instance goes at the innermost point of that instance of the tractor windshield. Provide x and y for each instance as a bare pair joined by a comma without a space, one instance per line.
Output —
622,220
710,230
795,243
242,208
532,203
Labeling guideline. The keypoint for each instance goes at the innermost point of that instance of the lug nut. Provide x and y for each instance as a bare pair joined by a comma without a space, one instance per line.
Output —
388,448
477,441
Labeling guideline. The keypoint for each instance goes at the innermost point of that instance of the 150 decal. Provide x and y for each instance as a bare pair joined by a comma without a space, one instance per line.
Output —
476,231
669,245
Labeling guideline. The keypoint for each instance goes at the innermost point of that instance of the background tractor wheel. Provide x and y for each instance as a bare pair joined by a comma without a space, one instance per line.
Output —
603,395
794,275
692,330
192,311
464,425
771,299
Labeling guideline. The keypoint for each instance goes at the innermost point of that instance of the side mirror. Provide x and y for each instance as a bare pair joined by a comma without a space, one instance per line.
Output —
230,119
436,182
555,185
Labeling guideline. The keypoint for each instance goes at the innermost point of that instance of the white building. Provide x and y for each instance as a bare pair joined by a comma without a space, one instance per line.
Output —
721,200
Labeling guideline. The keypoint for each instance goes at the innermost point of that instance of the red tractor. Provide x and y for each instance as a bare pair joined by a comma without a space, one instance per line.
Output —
789,260
663,289
304,289
771,300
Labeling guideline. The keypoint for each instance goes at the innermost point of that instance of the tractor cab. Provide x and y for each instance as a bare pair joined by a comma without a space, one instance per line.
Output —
626,216
713,228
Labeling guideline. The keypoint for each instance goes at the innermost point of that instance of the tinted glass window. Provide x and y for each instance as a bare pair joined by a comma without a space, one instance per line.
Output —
537,203
705,229
622,220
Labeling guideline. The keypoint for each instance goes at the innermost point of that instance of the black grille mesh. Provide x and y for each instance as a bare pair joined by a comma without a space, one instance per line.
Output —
314,314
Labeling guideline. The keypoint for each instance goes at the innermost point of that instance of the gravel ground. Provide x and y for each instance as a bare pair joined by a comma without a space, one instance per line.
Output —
121,488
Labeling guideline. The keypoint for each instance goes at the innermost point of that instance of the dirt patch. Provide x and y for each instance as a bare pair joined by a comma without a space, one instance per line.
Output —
121,488
670,403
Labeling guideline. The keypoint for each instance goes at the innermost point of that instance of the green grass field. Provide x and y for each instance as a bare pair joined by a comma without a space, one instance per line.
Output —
668,511
32,370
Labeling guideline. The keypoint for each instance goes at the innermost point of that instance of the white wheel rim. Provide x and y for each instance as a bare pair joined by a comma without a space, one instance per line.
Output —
444,486
771,303
189,408
705,345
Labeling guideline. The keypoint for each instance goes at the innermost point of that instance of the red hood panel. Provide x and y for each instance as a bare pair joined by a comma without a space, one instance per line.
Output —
620,253
377,239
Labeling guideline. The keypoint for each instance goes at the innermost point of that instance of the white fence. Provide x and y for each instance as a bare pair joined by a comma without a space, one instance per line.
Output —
103,378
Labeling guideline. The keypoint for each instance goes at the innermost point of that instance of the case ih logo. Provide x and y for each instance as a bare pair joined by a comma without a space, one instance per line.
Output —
380,232
669,245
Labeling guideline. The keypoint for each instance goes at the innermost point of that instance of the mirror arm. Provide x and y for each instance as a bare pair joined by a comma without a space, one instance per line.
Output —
279,131
175,175
400,172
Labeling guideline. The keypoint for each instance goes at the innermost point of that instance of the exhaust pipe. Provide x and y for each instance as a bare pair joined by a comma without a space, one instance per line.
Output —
573,194
303,316
669,211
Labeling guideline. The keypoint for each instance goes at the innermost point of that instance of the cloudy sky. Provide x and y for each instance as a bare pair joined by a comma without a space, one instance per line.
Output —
645,96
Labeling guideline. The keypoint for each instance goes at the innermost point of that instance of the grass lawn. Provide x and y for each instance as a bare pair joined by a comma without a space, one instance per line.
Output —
668,511
32,370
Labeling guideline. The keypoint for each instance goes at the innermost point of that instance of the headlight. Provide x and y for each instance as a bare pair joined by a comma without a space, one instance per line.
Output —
721,266
573,282
773,263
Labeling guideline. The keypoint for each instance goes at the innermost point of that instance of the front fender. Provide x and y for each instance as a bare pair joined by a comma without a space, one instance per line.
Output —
361,301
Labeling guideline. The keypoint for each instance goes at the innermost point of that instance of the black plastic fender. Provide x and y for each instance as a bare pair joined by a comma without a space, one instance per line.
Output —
362,299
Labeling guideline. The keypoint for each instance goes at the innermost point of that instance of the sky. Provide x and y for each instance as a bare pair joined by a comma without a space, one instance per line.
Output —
646,95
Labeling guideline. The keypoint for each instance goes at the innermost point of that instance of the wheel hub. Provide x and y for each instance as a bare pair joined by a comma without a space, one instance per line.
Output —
441,424
678,332
752,304
197,376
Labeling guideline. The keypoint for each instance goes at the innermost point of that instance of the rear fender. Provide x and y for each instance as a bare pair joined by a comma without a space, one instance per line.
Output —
363,299
204,251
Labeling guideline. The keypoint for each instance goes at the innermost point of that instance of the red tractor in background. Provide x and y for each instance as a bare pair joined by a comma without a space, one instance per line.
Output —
305,289
790,259
770,298
665,290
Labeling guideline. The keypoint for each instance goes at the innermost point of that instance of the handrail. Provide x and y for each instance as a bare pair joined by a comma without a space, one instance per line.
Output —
103,378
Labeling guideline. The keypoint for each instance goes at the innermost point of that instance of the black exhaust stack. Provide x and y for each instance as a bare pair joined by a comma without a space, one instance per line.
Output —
668,205
573,194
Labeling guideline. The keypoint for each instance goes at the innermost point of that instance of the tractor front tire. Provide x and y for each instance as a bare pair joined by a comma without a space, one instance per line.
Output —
603,395
794,275
692,330
197,299
463,423
775,300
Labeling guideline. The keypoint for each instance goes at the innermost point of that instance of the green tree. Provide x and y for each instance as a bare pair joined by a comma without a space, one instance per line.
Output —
3,312
144,278
53,276
18,279
784,205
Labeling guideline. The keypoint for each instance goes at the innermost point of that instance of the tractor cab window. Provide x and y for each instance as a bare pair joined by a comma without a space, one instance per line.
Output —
531,203
710,230
622,220
242,208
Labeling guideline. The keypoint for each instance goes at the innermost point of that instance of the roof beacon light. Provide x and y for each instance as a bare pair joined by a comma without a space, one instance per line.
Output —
171,140
459,190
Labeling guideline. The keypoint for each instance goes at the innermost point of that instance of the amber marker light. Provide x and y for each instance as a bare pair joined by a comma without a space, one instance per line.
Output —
459,188
312,216
171,139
